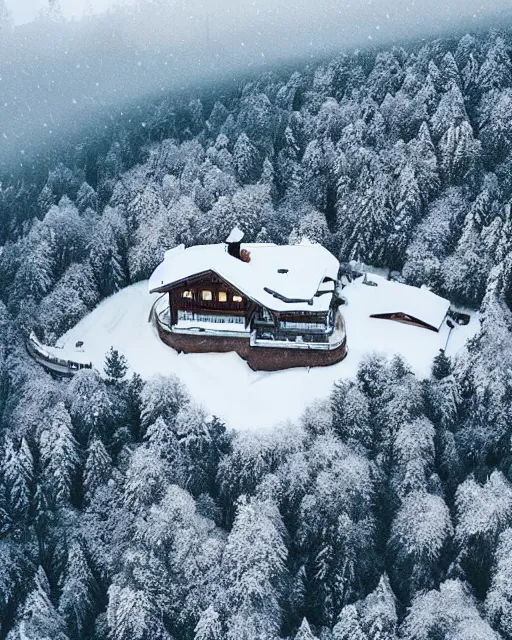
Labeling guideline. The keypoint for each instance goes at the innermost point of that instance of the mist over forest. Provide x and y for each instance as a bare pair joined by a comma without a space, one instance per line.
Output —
127,512
62,78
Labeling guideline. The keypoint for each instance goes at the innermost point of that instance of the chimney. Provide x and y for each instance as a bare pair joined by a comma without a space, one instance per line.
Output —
234,241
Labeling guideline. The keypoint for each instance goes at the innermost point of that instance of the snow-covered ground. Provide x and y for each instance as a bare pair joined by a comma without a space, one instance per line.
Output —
224,383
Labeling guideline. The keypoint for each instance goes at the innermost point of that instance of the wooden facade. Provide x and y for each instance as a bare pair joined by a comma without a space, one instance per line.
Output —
269,341
207,293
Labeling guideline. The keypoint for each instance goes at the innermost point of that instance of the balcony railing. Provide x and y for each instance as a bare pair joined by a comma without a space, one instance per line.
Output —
308,341
259,337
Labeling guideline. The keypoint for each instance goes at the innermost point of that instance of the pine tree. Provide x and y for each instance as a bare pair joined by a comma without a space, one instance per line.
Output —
38,619
58,454
304,632
86,198
419,533
14,568
133,616
406,215
459,153
145,481
449,612
496,70
424,160
441,366
162,397
162,439
466,47
98,467
469,75
498,602
115,367
451,111
450,71
370,221
348,626
79,591
18,473
209,626
483,513
35,276
247,163
109,252
54,11
351,418
495,126
90,405
254,566
379,616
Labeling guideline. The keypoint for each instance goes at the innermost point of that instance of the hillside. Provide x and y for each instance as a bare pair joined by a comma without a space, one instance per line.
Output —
383,510
224,384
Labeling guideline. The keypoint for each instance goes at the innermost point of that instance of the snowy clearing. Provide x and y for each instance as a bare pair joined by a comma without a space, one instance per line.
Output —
224,383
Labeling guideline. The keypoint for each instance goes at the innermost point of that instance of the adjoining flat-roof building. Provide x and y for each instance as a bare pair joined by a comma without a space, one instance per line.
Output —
410,305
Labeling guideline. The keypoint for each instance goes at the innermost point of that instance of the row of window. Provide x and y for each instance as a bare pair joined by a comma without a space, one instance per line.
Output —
302,325
204,317
207,296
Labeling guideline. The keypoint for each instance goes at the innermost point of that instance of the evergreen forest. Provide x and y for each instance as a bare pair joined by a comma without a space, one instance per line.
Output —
385,513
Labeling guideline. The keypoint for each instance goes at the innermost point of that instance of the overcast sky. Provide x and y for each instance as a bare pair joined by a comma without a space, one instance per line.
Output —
26,10
53,76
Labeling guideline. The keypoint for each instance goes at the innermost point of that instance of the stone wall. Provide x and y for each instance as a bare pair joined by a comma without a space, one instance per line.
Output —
258,358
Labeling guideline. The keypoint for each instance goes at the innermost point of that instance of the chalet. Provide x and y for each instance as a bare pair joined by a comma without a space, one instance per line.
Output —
276,306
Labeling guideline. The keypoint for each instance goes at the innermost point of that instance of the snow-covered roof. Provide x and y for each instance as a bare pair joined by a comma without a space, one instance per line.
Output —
392,297
58,353
294,272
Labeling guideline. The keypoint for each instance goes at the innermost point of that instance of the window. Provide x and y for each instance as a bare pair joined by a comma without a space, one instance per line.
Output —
237,299
223,296
187,294
188,316
206,295
302,325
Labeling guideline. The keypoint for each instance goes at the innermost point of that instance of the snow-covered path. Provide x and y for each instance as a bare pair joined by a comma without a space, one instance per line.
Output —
225,385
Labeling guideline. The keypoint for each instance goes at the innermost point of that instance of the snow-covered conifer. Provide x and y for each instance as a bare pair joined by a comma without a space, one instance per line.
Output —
162,397
132,616
450,112
450,611
145,480
116,365
209,626
304,632
420,531
97,468
441,366
38,618
378,613
18,476
498,602
247,163
496,69
254,565
79,591
348,626
58,452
